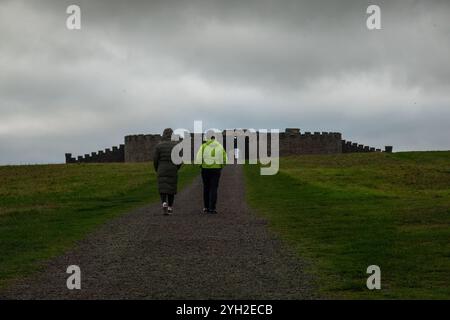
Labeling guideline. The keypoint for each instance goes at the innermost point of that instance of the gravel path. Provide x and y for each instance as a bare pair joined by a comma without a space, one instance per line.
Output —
190,255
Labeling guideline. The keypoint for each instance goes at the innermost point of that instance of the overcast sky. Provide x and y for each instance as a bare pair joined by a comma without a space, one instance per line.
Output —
140,66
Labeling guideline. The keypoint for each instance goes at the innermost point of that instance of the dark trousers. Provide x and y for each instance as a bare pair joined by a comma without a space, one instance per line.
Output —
165,197
210,179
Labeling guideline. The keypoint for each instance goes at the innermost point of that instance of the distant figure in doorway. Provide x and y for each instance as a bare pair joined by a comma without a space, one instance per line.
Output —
167,171
212,158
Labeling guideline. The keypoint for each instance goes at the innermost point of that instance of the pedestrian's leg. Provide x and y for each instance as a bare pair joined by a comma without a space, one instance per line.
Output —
164,202
214,186
170,199
205,178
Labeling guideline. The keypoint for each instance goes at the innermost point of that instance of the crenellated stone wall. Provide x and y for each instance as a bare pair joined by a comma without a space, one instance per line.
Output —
116,154
140,148
293,142
352,147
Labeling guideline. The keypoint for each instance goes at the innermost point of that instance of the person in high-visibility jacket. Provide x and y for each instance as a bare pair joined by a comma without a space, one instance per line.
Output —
211,157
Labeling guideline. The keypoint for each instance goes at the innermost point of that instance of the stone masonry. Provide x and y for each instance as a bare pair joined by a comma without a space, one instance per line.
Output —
140,148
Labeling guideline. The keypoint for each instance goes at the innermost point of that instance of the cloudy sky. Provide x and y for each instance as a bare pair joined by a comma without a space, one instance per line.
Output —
139,66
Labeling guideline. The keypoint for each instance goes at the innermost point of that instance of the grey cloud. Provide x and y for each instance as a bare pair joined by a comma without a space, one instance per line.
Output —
139,66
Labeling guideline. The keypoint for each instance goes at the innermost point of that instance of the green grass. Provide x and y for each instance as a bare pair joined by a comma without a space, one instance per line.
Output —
346,212
44,209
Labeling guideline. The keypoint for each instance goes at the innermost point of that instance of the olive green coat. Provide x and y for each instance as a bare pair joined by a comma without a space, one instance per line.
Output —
167,171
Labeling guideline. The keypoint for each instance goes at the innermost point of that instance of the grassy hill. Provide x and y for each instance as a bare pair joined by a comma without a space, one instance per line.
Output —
341,212
44,209
346,212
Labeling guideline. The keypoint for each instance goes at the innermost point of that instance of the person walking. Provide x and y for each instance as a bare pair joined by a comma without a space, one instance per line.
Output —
167,171
211,157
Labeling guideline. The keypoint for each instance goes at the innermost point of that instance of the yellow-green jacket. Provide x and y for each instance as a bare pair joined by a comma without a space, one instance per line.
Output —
211,155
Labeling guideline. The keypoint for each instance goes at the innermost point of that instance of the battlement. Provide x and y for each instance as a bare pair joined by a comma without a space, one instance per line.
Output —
142,137
107,155
293,142
140,147
352,147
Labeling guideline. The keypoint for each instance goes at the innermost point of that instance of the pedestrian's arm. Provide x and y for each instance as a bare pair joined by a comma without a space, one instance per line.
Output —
199,157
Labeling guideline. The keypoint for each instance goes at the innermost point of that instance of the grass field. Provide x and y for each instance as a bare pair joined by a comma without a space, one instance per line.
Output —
346,212
45,208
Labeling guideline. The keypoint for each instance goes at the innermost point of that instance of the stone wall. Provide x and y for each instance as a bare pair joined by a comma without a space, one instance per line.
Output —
116,154
352,147
140,148
293,142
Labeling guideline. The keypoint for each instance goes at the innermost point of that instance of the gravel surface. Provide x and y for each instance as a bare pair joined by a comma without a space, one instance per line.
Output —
190,255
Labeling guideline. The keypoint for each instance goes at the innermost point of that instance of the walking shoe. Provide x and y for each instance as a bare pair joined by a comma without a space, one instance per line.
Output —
164,208
205,210
212,211
169,210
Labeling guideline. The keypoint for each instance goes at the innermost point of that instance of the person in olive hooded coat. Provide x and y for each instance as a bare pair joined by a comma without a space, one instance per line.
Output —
167,171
